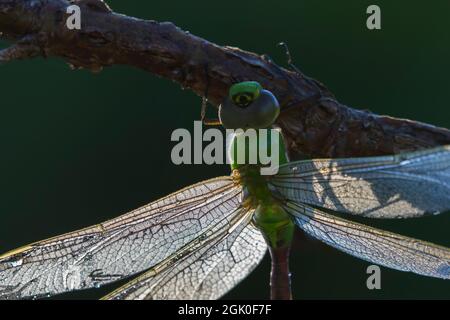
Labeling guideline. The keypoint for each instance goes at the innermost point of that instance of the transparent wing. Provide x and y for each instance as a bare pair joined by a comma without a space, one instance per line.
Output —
400,186
209,271
377,246
120,247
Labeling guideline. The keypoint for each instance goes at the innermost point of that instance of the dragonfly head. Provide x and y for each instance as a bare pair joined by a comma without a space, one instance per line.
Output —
247,106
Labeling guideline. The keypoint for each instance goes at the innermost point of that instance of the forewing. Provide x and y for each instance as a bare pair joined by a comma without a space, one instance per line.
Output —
401,186
377,246
217,264
120,247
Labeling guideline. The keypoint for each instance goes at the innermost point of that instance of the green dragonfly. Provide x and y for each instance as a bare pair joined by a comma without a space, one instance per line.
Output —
201,241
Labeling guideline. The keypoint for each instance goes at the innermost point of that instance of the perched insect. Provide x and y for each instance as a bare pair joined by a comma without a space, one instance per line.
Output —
201,241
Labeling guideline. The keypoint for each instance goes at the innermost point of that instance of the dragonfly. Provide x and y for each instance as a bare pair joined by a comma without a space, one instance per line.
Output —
201,241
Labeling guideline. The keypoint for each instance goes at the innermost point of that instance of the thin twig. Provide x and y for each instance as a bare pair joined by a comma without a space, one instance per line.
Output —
291,64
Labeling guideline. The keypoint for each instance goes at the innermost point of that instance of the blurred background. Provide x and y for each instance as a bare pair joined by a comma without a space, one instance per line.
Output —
79,148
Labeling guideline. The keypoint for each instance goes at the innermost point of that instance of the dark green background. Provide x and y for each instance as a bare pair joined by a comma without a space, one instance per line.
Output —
79,148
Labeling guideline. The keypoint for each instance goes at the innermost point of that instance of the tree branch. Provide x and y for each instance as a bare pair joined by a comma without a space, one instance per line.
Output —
313,121
24,49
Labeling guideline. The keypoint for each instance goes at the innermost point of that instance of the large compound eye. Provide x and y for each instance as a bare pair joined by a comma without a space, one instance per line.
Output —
243,100
244,93
249,106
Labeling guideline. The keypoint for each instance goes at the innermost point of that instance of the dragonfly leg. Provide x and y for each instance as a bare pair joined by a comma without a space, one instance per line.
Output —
206,121
280,276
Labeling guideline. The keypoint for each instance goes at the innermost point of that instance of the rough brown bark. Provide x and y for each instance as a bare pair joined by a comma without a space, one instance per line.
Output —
314,122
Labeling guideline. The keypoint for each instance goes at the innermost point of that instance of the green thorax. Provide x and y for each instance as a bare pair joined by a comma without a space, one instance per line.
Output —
269,216
252,146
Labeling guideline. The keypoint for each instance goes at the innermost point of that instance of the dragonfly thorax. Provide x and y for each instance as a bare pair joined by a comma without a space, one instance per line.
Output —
269,215
263,148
